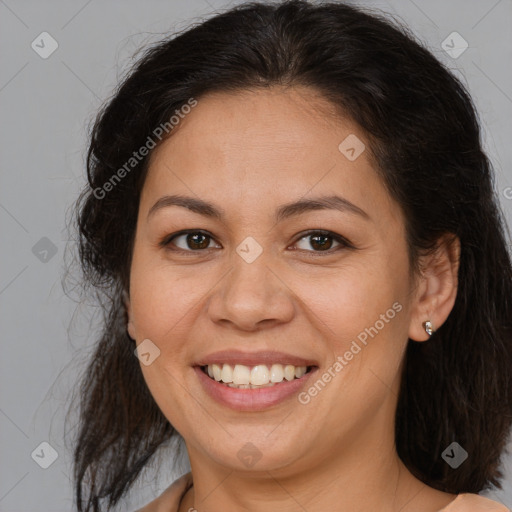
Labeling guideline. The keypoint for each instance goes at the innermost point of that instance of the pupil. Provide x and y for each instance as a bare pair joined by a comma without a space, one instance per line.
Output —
321,245
194,236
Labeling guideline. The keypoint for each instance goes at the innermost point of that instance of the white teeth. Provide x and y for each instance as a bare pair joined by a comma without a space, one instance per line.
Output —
269,385
227,373
260,375
300,371
241,374
276,373
289,372
216,371
246,377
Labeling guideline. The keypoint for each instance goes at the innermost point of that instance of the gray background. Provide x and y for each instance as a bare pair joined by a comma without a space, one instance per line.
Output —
45,107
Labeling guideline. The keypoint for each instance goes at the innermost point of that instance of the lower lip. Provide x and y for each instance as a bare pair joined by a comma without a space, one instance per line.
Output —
256,399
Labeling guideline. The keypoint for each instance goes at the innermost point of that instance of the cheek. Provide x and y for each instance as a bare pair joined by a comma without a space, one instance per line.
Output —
161,300
363,316
166,298
351,299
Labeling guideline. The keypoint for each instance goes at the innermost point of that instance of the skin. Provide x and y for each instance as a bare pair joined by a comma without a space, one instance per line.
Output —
248,153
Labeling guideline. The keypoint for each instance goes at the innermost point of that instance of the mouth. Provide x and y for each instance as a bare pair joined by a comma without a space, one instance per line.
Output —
253,388
241,376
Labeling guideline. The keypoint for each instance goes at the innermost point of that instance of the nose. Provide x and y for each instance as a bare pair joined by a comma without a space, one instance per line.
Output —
251,296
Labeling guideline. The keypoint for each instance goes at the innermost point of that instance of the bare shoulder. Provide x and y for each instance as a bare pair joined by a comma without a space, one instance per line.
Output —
170,499
468,502
156,505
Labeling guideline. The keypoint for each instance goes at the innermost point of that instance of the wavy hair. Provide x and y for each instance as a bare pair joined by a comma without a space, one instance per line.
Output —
424,135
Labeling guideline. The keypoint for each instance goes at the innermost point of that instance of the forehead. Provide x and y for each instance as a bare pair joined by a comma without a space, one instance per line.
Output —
261,144
275,118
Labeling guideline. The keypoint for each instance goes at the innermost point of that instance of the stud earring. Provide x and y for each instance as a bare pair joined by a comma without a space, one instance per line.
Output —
428,327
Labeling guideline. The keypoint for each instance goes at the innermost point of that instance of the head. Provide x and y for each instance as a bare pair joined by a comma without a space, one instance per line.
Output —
266,116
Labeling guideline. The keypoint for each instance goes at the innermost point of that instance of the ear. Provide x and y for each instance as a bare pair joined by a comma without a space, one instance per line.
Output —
436,287
130,325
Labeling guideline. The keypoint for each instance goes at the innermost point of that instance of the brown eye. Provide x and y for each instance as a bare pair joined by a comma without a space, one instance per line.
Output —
322,241
192,241
199,241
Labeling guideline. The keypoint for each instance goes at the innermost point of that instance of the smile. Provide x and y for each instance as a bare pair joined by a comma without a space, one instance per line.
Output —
249,397
246,377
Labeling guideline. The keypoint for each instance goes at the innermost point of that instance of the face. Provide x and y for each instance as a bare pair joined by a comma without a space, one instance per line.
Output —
258,278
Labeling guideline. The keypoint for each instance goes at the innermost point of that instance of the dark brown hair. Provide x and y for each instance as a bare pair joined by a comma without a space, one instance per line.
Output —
424,133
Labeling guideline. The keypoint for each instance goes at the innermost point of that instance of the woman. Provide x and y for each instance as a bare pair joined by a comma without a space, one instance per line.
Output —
292,217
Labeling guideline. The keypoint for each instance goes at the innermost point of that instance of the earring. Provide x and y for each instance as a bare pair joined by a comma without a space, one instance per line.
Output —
428,327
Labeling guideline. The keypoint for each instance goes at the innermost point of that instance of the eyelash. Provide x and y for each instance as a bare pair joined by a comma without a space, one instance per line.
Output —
344,243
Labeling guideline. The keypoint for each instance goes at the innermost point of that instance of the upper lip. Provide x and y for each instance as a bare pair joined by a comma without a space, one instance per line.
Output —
267,357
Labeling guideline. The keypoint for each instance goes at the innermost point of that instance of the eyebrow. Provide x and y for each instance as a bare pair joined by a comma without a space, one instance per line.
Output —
332,202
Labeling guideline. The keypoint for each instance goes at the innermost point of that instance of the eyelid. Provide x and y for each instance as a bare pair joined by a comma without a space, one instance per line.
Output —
167,239
342,241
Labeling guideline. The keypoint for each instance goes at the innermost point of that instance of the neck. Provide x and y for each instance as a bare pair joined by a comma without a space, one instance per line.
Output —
364,479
